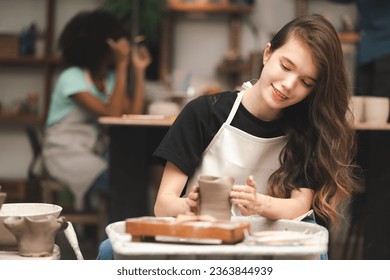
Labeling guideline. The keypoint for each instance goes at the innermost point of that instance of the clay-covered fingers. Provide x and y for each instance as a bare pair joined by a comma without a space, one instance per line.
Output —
243,210
192,200
245,197
251,182
241,192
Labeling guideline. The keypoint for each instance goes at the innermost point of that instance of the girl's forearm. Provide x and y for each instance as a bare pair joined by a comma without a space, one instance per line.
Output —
280,208
170,206
115,104
138,99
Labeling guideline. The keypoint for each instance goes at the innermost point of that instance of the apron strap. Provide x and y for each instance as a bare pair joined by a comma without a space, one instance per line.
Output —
237,103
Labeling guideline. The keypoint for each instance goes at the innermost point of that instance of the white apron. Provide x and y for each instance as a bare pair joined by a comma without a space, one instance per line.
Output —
73,151
233,152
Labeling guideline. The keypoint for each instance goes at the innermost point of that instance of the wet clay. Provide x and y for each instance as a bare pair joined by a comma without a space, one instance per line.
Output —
214,196
35,238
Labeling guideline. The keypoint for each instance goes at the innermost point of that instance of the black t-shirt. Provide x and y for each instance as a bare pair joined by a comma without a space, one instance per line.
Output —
200,121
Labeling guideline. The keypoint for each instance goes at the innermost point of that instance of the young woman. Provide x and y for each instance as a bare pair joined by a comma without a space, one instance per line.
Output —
93,84
286,139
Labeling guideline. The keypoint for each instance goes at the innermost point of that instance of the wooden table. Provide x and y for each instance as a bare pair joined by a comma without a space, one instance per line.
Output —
372,126
374,158
133,139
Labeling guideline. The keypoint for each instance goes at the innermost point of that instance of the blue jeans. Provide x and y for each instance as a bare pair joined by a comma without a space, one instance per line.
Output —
100,186
313,221
105,251
102,182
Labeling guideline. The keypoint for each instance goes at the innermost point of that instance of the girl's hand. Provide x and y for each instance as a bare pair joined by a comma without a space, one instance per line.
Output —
121,49
246,197
193,201
141,57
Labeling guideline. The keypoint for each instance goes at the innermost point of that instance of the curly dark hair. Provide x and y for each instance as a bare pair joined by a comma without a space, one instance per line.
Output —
83,40
320,138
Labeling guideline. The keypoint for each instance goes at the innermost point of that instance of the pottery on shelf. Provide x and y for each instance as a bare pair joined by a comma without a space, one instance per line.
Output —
376,109
215,196
35,238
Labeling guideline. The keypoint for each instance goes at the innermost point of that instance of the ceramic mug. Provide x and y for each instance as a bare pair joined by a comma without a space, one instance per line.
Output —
215,196
356,105
376,109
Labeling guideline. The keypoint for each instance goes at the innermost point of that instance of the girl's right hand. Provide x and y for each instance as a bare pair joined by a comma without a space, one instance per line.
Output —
193,201
121,49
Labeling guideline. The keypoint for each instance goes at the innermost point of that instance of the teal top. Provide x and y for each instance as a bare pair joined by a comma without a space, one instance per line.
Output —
71,81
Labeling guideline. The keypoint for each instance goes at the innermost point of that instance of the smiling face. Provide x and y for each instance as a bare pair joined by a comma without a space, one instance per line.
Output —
288,76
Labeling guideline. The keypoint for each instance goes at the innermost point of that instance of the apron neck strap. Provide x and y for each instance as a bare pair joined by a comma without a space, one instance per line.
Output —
235,107
237,103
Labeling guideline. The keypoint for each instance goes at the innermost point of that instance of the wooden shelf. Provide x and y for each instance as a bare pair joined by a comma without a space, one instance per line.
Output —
345,37
30,60
349,37
21,119
233,10
234,68
16,189
222,7
47,63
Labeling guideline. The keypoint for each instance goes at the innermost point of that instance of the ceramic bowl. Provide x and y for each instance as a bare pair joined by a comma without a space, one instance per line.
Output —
34,211
165,108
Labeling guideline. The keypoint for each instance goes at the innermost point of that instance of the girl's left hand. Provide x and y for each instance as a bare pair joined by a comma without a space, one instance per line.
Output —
141,57
245,197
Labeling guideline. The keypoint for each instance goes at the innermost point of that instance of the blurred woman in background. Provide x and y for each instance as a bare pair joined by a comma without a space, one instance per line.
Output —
93,84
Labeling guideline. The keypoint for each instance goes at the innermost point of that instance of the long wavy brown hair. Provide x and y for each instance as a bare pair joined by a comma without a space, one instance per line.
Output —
320,138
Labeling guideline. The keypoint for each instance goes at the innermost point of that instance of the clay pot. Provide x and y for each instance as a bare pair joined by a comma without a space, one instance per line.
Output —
3,196
215,196
35,238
